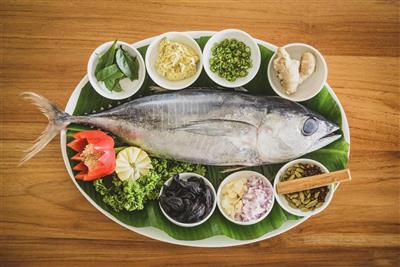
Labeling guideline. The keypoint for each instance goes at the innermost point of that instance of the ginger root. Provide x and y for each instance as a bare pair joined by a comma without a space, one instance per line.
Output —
292,72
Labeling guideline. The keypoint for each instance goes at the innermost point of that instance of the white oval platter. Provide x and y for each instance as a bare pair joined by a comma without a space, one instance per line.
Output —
154,233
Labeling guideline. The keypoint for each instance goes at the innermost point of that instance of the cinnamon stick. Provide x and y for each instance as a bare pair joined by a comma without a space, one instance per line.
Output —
311,182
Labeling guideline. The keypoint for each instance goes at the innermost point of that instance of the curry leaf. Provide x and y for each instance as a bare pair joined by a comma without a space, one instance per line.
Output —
127,64
110,83
117,87
110,72
107,58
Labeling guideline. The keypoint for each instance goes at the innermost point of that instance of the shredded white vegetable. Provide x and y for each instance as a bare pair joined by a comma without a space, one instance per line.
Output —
176,61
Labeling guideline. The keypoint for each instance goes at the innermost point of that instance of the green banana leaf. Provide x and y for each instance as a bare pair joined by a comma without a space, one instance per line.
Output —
333,156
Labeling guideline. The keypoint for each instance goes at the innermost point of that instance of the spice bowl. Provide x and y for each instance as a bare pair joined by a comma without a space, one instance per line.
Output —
129,87
152,54
240,36
254,198
311,86
283,202
185,177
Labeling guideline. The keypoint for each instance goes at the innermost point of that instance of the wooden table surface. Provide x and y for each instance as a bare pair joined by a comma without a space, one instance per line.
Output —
45,45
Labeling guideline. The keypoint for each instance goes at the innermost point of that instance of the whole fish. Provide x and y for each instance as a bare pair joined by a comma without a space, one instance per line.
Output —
204,126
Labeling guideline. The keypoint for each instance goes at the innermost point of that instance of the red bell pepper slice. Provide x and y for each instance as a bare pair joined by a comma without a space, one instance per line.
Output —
95,153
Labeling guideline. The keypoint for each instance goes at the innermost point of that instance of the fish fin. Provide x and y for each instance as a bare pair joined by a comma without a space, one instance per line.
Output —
216,127
157,89
233,169
58,120
236,89
240,89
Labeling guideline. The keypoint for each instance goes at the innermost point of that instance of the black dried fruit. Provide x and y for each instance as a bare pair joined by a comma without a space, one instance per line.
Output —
208,197
193,187
188,195
175,203
196,180
198,212
187,201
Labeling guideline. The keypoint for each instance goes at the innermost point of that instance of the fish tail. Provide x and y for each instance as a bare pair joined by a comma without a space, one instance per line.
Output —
58,120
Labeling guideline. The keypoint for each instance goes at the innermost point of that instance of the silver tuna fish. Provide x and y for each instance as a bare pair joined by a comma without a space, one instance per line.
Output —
212,127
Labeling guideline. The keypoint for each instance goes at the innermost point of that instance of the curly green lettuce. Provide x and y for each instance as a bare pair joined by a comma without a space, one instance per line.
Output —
132,195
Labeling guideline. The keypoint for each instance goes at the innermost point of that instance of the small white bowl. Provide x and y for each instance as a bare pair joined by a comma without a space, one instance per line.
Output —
184,176
130,87
238,175
152,55
284,203
312,85
240,36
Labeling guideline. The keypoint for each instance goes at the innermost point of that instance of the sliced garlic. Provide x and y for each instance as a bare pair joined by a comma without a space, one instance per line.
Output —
231,197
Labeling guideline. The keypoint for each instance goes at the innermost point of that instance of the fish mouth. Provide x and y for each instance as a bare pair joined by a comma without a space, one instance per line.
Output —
332,136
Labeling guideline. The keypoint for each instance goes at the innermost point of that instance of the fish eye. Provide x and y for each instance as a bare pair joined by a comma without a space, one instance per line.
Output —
310,126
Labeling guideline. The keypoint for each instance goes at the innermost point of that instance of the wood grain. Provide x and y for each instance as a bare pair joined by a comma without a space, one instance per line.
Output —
44,47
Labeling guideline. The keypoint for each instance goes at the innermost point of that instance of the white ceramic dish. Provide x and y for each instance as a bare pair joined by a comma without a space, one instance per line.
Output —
155,233
237,175
184,176
312,85
284,203
130,87
240,36
152,55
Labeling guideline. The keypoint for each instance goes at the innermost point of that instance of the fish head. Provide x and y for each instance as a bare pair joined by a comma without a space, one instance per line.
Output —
291,133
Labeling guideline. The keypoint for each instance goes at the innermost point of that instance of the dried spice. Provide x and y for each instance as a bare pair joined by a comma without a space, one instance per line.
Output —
306,200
